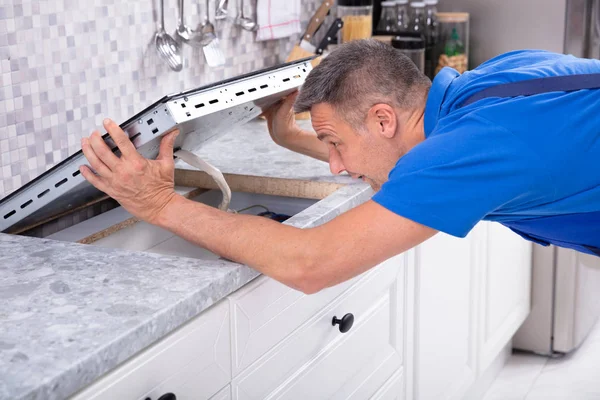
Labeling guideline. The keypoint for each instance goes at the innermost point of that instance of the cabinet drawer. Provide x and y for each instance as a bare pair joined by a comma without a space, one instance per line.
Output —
224,394
192,362
317,361
265,312
393,389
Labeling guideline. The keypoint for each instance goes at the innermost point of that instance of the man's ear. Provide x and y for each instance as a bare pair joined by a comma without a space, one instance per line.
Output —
382,118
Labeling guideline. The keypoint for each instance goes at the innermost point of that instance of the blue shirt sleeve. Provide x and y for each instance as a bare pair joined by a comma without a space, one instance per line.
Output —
461,173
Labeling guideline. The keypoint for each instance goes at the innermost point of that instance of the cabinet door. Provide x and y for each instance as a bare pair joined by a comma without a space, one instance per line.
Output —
393,389
505,290
193,363
319,362
445,320
224,394
265,312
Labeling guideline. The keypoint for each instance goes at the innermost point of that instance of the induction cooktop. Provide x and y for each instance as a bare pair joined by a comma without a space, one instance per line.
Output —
201,115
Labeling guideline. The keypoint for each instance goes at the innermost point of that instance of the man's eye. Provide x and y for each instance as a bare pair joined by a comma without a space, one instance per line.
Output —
334,144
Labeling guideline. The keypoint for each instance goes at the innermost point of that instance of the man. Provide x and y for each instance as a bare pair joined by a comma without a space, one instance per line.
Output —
527,156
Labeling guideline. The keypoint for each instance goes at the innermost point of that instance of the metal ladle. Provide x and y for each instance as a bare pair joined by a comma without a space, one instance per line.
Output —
166,46
183,32
240,20
206,30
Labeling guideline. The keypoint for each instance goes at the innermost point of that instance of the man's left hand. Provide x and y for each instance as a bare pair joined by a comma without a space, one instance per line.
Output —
143,187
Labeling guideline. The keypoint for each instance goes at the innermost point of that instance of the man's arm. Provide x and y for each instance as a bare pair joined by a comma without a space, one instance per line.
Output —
284,131
305,259
307,143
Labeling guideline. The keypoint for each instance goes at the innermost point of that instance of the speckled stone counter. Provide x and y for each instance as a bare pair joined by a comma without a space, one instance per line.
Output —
70,313
249,150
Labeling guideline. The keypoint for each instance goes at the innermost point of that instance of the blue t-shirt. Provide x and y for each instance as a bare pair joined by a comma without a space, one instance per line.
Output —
520,161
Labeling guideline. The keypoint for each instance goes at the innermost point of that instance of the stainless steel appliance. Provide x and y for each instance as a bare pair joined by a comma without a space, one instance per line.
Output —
200,114
565,304
582,28
566,284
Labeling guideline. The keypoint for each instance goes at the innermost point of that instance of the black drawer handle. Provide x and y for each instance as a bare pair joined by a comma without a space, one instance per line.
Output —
345,323
166,396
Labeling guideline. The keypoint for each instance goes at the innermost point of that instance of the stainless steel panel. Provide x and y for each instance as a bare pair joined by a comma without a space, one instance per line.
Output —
594,32
536,332
577,24
577,304
201,114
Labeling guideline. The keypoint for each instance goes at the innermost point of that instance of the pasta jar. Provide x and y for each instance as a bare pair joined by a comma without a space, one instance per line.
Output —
358,19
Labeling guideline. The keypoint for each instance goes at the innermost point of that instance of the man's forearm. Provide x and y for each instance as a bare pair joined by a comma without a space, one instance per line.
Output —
306,143
281,252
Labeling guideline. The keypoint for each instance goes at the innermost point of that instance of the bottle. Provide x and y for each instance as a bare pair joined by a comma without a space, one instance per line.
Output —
431,36
417,17
389,19
454,46
403,15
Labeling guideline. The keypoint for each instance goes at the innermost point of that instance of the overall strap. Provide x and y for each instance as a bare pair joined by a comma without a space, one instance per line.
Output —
576,231
565,83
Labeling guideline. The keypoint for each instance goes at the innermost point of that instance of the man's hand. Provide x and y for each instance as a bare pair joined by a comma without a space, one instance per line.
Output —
143,187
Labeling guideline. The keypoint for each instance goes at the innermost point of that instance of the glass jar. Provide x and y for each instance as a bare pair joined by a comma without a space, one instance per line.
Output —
389,18
431,36
358,19
403,15
452,48
417,17
411,45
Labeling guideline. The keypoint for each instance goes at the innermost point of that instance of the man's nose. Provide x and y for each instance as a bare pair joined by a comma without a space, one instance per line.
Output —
335,163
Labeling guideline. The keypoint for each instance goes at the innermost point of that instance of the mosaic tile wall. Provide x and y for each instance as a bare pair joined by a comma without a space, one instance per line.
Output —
67,64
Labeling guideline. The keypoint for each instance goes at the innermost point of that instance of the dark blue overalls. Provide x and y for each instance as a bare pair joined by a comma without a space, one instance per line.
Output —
575,231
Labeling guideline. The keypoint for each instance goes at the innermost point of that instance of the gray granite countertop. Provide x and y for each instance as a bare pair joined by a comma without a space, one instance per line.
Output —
70,313
249,150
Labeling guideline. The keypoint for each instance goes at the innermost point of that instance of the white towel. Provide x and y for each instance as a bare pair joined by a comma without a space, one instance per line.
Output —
277,18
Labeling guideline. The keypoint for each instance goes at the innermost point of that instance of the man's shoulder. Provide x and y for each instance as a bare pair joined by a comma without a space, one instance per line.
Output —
519,58
531,64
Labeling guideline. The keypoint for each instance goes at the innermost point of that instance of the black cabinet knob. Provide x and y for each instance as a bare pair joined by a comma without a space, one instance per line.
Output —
345,323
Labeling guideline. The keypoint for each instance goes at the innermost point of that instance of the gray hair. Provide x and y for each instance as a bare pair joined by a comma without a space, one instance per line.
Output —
360,74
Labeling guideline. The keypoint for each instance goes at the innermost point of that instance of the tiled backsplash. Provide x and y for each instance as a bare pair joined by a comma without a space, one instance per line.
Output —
67,64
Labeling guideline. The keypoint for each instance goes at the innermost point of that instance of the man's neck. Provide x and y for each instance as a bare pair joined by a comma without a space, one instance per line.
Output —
412,131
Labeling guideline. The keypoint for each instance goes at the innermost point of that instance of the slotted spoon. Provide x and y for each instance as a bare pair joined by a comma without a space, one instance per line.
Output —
166,46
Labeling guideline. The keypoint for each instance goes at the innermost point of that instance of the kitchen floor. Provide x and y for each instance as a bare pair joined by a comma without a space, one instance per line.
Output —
530,377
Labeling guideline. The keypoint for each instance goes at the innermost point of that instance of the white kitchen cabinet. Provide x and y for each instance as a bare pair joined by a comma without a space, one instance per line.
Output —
224,394
505,289
265,312
319,362
428,325
472,295
194,362
360,361
445,326
393,389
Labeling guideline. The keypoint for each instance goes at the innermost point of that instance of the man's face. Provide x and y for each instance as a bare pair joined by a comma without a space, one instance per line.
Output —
363,154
